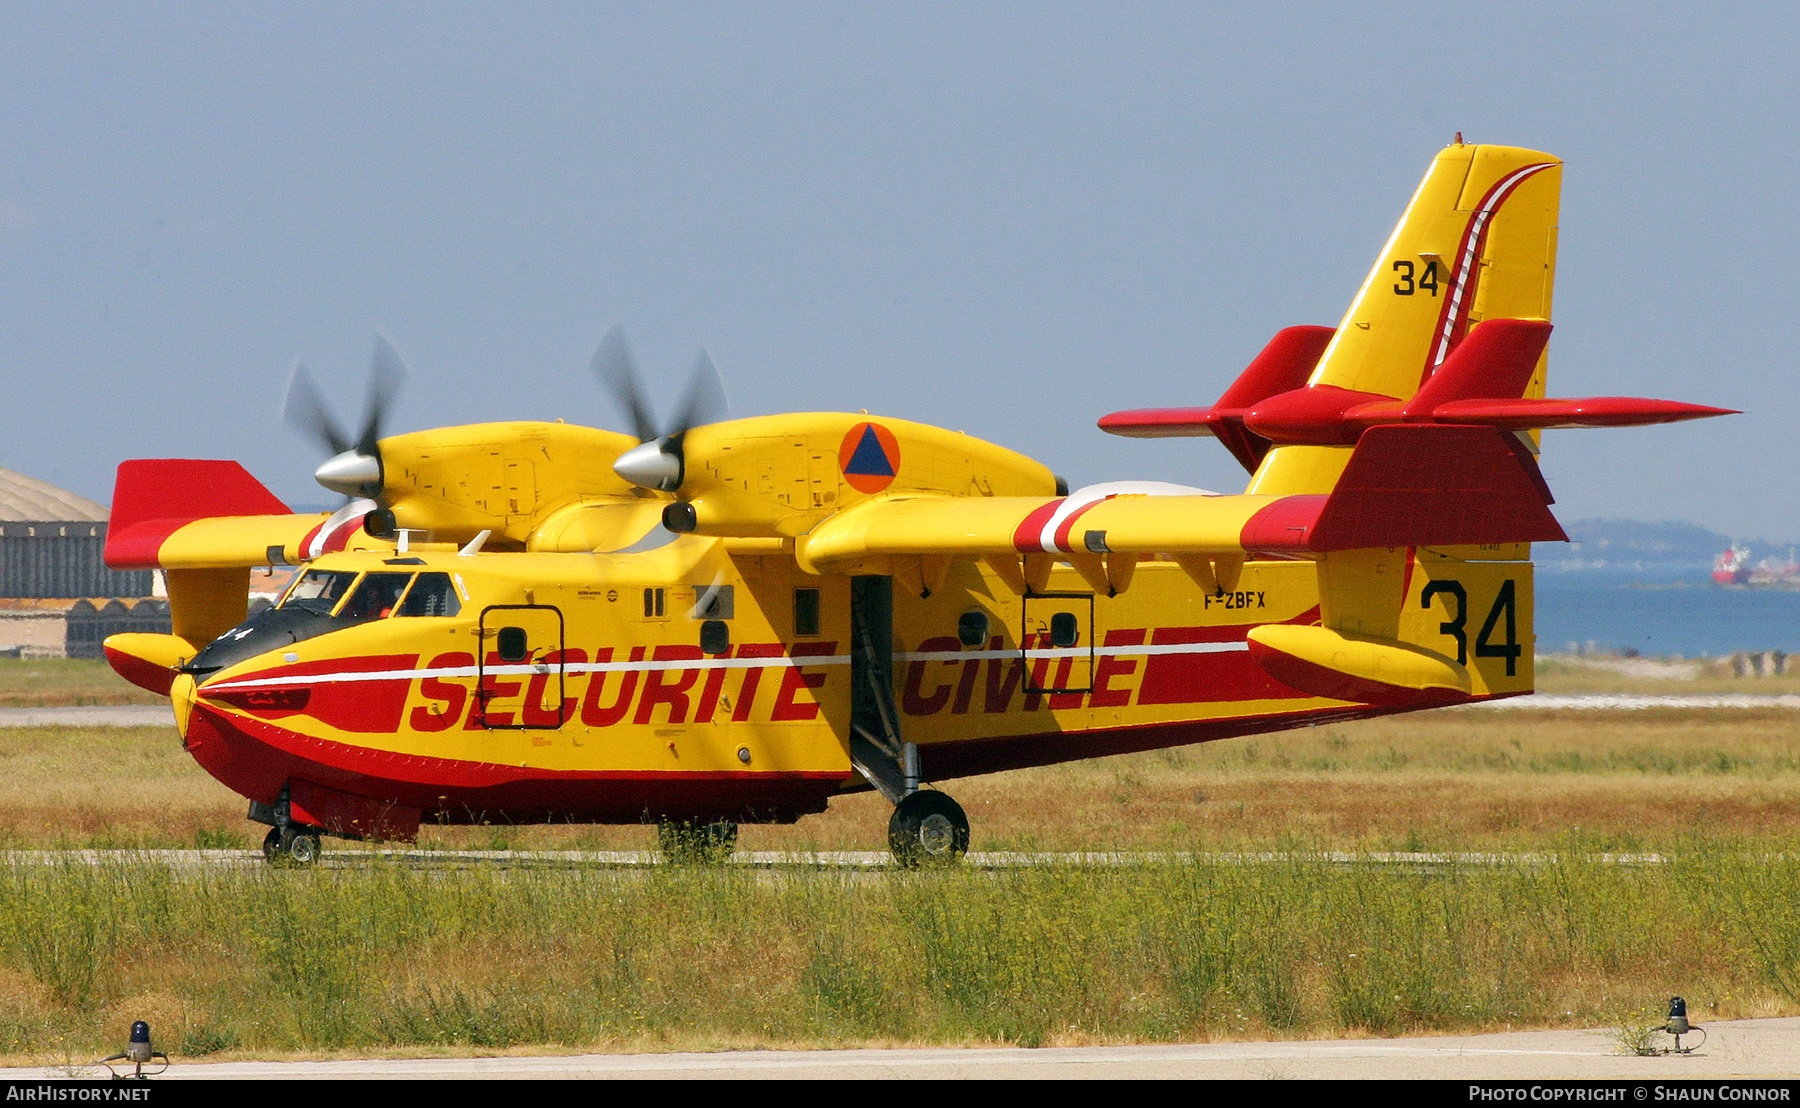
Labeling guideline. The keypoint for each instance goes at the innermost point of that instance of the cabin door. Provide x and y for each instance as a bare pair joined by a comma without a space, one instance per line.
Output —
519,681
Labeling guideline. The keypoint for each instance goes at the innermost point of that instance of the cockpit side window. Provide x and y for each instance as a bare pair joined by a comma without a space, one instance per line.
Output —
431,595
319,590
375,596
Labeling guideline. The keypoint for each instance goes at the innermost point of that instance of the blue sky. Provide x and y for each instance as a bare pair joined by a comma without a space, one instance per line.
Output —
1003,218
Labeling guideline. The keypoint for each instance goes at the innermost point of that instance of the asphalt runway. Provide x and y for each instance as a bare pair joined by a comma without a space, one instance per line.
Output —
91,715
1766,1049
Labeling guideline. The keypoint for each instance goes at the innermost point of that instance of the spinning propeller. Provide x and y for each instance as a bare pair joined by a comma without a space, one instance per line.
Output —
656,461
354,467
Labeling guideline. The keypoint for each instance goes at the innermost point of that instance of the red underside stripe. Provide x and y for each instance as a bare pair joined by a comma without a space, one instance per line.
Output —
977,756
434,772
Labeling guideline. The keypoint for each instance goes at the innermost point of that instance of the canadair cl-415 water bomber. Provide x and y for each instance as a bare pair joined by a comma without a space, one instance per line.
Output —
719,621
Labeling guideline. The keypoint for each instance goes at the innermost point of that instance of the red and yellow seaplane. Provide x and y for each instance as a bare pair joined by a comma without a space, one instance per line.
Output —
722,621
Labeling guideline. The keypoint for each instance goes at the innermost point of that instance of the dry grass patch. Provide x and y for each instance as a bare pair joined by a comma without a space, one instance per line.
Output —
376,957
1471,779
111,786
1575,674
61,682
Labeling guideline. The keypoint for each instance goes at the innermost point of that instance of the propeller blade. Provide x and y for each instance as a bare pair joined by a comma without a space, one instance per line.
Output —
354,465
705,401
304,411
657,461
387,373
617,371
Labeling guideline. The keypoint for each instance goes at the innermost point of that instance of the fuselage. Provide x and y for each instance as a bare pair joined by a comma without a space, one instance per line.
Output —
737,620
706,678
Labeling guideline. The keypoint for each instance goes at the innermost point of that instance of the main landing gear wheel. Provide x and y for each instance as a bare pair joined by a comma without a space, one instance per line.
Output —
928,828
686,842
291,846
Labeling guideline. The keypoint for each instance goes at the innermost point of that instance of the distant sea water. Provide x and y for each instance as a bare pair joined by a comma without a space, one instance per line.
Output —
1681,614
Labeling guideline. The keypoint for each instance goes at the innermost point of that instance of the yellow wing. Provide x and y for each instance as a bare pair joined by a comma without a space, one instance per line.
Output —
1403,486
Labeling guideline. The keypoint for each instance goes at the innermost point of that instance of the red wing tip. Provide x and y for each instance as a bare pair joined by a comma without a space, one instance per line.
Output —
1155,423
1591,411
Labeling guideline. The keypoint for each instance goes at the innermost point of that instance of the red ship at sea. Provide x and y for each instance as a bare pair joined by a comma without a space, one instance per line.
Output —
1734,567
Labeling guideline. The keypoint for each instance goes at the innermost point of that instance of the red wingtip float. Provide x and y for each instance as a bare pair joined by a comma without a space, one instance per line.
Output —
726,621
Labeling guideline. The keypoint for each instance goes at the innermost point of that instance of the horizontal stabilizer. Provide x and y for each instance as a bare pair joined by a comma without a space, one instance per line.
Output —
1553,412
1416,486
1158,423
1283,366
1481,384
184,513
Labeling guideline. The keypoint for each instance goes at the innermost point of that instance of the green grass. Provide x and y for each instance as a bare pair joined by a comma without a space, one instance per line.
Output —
382,958
374,957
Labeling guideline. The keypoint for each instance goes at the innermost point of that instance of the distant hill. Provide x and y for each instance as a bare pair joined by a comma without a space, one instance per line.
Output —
1635,546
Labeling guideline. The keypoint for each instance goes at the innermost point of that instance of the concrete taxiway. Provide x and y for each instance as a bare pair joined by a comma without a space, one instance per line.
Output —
1743,1049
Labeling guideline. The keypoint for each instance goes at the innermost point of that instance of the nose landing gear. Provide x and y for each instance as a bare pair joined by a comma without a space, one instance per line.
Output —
292,845
928,828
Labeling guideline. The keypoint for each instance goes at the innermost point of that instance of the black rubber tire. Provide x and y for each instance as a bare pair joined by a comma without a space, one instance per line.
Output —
928,828
304,848
291,846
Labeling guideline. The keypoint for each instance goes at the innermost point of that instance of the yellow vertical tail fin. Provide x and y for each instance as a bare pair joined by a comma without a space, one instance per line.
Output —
1478,241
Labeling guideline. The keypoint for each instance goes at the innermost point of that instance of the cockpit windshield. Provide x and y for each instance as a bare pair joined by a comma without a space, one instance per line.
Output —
326,600
431,595
376,595
319,590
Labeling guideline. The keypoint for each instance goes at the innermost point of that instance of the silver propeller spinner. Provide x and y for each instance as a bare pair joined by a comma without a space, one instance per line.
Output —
656,462
354,467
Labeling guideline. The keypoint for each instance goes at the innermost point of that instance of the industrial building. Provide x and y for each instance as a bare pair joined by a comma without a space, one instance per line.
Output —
56,595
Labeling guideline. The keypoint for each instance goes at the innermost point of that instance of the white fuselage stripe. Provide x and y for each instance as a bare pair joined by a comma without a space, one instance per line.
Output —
528,669
1076,652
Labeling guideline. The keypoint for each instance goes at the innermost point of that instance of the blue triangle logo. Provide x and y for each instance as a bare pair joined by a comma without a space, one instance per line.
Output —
870,460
